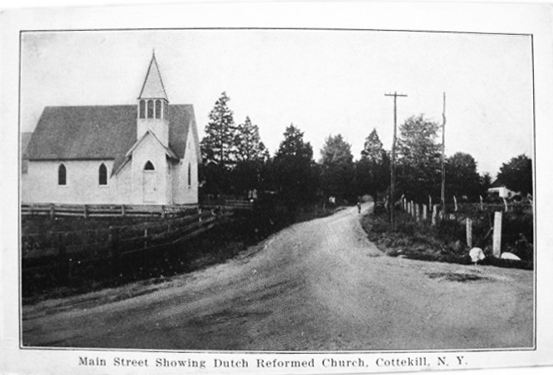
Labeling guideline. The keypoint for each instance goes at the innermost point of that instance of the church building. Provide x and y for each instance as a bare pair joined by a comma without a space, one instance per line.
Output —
146,153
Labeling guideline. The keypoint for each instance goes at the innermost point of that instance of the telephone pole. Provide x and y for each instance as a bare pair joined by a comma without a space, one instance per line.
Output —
393,163
443,158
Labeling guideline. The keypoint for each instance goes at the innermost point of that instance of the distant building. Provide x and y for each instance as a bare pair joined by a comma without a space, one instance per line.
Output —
146,153
497,188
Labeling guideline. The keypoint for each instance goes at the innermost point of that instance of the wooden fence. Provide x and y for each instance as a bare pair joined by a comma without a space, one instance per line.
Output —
52,249
98,210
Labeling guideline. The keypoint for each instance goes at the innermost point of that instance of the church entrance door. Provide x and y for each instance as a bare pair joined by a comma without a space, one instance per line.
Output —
149,186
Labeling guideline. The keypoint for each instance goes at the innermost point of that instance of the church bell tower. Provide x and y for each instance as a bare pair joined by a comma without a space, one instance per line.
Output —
153,105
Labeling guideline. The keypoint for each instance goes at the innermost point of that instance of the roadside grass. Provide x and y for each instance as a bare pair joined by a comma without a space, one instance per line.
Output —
416,240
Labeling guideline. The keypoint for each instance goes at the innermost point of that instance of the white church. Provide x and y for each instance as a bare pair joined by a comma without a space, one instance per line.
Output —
146,153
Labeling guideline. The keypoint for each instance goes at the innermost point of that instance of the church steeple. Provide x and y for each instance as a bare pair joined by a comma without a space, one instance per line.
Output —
153,88
153,104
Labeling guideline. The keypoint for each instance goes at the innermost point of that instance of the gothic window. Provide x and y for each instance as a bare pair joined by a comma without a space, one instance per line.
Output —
103,175
150,109
189,175
158,108
149,166
142,109
62,175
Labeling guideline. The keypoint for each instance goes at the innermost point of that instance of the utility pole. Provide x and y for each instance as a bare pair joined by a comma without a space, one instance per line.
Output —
443,158
393,163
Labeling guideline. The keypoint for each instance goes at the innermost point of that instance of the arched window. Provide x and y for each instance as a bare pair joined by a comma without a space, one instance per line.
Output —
150,109
149,166
158,108
62,175
189,175
142,109
103,175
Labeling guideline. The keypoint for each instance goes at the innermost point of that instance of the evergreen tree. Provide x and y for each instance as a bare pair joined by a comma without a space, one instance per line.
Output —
248,143
295,173
337,168
218,145
373,169
251,155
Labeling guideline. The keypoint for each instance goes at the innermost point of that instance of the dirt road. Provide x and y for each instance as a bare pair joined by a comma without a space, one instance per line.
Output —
318,285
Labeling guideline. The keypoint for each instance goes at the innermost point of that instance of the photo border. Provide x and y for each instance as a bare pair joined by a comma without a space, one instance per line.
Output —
534,348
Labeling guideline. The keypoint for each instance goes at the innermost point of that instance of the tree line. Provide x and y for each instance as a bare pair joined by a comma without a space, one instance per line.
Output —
235,162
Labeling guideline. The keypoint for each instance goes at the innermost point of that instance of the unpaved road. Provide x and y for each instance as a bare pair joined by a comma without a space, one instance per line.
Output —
318,285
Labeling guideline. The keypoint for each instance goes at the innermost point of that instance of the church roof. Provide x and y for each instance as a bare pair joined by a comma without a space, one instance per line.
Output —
153,84
101,132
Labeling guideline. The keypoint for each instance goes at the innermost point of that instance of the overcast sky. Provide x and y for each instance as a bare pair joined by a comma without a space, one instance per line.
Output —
325,82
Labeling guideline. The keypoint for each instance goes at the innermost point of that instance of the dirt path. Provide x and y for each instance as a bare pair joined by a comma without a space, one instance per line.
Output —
318,285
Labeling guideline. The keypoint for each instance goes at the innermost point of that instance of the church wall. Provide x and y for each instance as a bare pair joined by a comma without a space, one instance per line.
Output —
182,192
123,181
40,184
150,150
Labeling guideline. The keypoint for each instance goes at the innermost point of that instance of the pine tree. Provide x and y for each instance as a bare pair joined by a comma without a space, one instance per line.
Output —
337,169
218,145
373,169
248,143
295,173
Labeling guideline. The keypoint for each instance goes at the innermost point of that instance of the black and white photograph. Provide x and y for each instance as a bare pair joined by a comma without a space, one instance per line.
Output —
295,191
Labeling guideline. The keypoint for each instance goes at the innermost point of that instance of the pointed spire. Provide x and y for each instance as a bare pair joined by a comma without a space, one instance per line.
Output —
153,85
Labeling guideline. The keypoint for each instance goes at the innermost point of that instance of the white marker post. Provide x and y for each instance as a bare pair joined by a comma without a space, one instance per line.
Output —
424,212
434,214
497,234
469,232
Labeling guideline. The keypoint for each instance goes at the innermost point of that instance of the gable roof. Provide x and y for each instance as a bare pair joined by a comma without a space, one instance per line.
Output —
101,132
153,84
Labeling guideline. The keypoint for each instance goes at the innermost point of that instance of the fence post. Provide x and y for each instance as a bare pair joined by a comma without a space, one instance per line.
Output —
52,211
455,203
113,240
145,237
417,211
424,212
163,213
469,232
434,214
497,234
199,215
123,210
85,211
505,203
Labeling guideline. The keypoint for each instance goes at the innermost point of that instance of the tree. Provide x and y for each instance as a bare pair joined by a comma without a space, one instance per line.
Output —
251,155
517,174
462,179
294,171
218,145
485,183
248,143
337,168
373,169
419,166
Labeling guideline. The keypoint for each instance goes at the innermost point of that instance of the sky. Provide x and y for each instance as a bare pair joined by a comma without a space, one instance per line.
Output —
323,81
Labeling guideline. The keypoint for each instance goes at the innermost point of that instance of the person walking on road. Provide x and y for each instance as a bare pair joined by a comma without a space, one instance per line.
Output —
358,206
